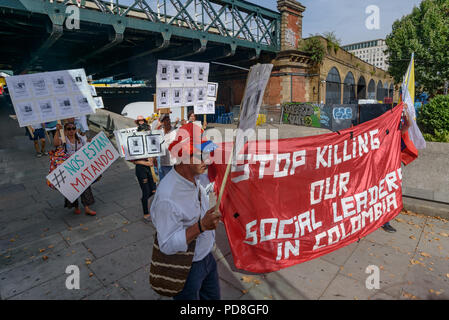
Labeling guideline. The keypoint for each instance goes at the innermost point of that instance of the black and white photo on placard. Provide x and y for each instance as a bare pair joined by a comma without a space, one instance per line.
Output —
98,102
84,104
59,83
212,90
202,73
136,145
78,78
47,110
189,95
177,98
163,97
18,88
27,113
66,107
39,86
154,142
178,77
189,72
201,94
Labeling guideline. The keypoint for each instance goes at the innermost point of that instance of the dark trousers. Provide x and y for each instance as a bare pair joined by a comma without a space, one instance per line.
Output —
202,282
143,174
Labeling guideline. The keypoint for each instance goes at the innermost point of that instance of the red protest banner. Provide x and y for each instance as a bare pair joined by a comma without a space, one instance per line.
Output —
312,196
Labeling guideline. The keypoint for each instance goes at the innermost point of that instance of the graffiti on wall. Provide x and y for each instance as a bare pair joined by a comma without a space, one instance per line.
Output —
333,117
303,114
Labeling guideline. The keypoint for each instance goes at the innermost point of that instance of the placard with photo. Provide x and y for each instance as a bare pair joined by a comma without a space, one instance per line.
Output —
27,113
136,146
47,110
178,73
212,91
163,97
59,82
164,73
66,107
79,80
201,94
154,142
39,85
18,87
201,73
189,97
84,103
98,102
177,97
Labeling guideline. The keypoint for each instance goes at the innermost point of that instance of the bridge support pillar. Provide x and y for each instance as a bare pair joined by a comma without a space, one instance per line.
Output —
288,82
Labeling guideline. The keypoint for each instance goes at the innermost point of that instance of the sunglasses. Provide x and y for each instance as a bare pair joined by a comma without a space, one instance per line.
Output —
71,128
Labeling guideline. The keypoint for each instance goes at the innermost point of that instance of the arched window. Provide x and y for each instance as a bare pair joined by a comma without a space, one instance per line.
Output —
391,93
372,90
333,87
385,89
361,88
380,91
349,89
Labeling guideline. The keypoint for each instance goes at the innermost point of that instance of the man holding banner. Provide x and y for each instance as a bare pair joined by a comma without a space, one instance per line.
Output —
180,212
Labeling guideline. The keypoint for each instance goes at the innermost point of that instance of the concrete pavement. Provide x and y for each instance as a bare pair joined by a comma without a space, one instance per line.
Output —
39,239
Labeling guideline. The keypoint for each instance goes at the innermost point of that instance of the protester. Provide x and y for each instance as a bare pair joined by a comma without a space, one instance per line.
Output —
180,212
191,116
143,173
166,161
38,136
74,142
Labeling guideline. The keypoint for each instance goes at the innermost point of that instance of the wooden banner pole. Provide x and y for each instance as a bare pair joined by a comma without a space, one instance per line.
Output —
61,132
30,130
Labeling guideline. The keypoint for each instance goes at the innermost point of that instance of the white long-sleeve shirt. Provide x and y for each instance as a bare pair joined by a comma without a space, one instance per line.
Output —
175,208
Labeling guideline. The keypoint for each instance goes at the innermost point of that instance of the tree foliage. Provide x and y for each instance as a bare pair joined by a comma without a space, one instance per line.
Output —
433,119
315,48
426,33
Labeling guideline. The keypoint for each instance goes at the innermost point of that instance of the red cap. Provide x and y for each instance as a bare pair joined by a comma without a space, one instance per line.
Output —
189,139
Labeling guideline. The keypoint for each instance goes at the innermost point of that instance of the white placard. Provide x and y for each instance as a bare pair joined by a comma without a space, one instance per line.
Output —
78,172
135,145
212,91
93,91
178,73
164,73
98,102
207,107
255,88
52,95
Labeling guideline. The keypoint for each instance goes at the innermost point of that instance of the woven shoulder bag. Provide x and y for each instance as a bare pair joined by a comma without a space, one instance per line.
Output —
168,273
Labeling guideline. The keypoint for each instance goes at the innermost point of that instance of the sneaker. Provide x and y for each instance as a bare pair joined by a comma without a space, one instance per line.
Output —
91,213
38,154
45,153
388,228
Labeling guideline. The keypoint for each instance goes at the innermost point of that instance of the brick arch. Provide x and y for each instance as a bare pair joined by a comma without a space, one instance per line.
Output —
349,89
362,86
371,89
333,86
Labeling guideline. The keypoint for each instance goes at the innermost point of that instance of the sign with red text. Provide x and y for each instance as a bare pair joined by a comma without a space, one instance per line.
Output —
79,171
312,195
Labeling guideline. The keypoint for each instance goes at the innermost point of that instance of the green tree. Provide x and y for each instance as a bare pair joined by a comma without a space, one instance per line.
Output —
426,33
433,119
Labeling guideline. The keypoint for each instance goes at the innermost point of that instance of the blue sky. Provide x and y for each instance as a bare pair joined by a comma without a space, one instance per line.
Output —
347,17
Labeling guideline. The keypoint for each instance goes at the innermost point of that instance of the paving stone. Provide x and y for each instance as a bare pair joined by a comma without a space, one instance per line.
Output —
55,289
93,228
307,280
123,236
434,241
121,263
27,276
25,253
392,263
112,292
340,256
347,288
138,286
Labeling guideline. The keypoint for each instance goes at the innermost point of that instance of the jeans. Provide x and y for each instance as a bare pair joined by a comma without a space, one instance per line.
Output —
202,281
143,174
163,170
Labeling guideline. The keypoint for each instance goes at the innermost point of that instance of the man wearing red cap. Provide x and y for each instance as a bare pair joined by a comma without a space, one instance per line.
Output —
180,212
